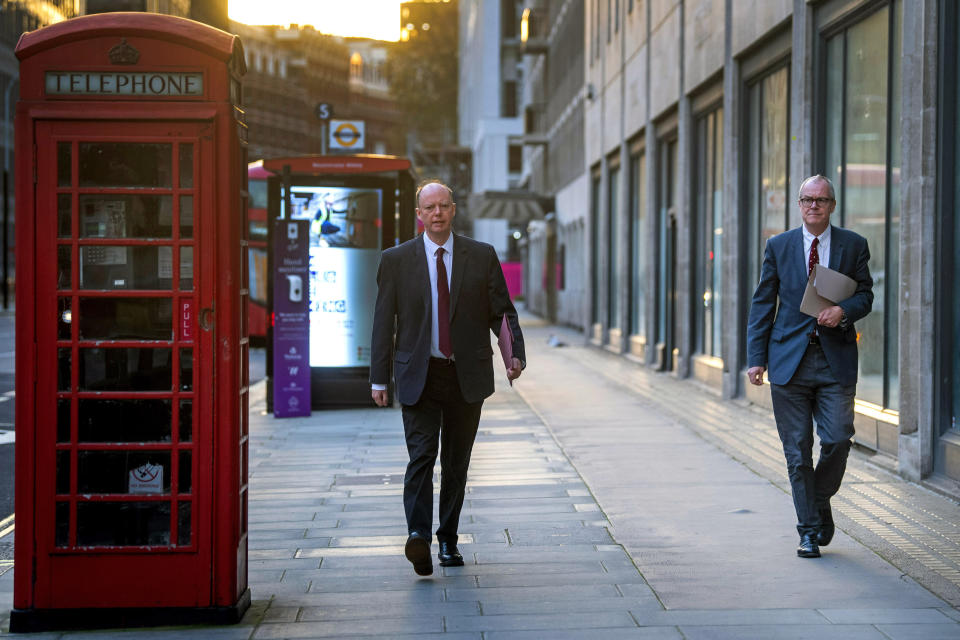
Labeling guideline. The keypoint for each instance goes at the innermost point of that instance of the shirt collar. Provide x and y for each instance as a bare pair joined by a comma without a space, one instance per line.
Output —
824,237
431,246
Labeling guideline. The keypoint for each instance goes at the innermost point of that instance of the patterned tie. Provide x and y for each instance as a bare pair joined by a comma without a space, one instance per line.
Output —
814,259
814,256
443,307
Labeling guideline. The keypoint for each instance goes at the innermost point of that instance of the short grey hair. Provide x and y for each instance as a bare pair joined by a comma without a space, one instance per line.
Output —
833,192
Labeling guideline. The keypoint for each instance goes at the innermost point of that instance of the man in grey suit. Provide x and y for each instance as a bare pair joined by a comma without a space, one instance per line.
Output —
812,362
440,295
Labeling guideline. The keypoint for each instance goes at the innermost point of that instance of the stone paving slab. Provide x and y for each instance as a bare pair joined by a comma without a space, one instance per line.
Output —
636,633
597,514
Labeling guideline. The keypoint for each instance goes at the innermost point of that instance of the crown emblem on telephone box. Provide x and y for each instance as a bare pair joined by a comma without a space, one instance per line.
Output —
123,53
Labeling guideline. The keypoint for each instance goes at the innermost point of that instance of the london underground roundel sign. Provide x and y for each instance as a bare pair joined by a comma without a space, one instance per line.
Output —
346,134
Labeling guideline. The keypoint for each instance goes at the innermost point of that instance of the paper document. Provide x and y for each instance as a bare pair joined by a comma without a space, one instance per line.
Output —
505,342
825,288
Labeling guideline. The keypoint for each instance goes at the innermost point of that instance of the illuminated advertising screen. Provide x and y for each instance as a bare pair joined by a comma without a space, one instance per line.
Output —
344,255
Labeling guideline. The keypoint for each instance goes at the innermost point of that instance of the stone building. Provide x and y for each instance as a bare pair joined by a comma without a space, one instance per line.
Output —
700,119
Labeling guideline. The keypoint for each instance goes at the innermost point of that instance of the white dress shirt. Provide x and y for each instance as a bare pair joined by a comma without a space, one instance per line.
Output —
823,247
431,251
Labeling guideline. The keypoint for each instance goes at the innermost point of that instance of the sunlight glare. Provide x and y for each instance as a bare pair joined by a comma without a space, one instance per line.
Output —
379,19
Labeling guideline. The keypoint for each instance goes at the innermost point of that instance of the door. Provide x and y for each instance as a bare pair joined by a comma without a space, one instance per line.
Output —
124,382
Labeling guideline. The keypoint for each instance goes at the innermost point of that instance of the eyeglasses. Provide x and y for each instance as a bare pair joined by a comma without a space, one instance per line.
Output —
432,208
821,202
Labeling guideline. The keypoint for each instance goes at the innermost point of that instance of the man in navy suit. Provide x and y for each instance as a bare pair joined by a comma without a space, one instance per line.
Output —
440,295
812,362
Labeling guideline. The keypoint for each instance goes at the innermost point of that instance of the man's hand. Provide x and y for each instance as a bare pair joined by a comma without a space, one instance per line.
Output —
755,375
515,370
830,317
379,396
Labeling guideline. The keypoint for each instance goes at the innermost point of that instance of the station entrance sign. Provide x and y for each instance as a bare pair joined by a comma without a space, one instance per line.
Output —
347,135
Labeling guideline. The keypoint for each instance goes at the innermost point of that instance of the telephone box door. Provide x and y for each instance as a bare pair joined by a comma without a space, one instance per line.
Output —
124,382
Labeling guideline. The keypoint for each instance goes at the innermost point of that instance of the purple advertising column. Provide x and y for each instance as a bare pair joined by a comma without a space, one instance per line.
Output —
291,329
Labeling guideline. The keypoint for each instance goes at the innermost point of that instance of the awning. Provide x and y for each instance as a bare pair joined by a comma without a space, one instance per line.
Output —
518,208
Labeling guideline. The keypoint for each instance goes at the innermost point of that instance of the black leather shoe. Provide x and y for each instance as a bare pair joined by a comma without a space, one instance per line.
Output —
449,555
417,551
808,546
827,528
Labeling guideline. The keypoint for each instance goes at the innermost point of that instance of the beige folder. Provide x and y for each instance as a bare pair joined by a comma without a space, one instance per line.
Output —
825,288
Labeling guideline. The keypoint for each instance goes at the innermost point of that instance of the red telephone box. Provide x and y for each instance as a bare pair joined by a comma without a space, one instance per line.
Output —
131,389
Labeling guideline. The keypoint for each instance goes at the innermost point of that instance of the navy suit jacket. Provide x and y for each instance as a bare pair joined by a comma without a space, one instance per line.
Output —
478,302
777,336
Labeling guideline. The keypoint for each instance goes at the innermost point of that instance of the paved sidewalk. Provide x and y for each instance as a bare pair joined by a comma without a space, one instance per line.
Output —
604,501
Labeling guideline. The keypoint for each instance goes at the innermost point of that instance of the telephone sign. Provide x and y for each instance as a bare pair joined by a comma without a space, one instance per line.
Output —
346,134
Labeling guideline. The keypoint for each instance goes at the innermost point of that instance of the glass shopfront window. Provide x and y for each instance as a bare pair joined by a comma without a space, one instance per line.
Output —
948,274
638,244
709,232
768,198
862,157
613,244
769,201
666,251
595,246
955,372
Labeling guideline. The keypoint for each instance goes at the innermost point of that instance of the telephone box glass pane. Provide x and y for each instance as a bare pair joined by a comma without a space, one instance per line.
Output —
186,369
126,319
126,216
64,267
117,267
138,472
125,164
186,216
64,215
186,420
63,420
63,472
132,369
64,318
186,473
101,524
184,524
186,166
64,166
142,420
186,268
62,524
63,369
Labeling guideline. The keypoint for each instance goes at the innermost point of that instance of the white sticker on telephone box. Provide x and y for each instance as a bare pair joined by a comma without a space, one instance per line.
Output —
147,478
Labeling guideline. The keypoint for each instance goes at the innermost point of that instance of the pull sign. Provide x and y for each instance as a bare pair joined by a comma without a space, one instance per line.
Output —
187,320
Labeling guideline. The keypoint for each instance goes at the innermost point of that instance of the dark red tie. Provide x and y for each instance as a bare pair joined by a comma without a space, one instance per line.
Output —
443,307
814,256
814,259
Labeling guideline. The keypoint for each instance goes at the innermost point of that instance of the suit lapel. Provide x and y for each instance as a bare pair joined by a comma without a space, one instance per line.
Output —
836,249
459,265
422,275
797,257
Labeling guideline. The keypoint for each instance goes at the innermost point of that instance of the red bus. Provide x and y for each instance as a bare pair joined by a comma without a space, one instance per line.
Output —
257,216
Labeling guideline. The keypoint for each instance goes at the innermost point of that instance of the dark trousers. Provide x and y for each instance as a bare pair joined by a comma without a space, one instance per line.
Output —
813,393
441,417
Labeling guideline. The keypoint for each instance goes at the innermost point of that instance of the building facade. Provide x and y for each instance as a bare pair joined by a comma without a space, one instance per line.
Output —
553,97
701,119
16,17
